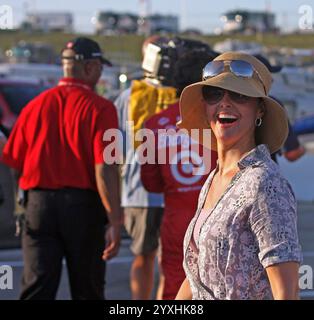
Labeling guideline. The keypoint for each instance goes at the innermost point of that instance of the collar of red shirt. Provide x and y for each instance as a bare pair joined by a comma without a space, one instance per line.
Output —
74,82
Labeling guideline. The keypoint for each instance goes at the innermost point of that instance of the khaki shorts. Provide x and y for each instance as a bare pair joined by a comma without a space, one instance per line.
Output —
143,226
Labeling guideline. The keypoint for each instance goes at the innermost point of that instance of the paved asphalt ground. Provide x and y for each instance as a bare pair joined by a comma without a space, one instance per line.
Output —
117,286
118,269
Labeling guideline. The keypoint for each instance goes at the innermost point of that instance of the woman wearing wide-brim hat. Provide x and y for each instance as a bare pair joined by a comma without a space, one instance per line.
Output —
243,241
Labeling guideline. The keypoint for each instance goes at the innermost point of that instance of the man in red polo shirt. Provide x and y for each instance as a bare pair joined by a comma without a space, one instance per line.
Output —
57,148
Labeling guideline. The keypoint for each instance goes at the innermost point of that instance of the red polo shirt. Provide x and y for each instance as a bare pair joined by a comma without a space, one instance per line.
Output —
58,137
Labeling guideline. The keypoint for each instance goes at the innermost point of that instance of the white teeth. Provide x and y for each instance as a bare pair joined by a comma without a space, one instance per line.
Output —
226,116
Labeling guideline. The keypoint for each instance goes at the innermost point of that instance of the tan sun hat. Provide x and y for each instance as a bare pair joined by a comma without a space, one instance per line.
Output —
274,129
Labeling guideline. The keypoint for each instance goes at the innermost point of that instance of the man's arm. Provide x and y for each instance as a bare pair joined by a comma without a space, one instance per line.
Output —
107,179
151,173
295,154
292,149
151,178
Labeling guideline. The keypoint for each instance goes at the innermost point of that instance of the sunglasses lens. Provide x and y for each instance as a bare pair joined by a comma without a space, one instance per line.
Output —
239,98
241,68
212,69
212,95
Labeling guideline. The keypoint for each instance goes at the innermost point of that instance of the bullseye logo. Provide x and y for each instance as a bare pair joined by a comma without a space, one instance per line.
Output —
189,167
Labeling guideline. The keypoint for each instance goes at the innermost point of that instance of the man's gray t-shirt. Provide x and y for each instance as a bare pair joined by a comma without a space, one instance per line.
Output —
133,192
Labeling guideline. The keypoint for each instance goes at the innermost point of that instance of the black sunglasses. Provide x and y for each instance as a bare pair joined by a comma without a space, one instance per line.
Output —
213,95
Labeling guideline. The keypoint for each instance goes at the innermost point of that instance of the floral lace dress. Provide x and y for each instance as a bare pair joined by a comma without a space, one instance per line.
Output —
252,226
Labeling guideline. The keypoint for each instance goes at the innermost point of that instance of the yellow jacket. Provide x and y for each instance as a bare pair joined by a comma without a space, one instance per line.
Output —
147,100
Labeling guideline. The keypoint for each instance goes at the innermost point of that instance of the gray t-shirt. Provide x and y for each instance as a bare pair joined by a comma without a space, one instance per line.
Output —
133,192
253,226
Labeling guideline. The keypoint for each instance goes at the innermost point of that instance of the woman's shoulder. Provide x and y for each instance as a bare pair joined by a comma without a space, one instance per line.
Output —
266,169
265,173
258,163
267,177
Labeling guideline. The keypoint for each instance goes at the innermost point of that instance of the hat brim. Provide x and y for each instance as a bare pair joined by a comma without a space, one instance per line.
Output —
275,69
105,61
274,129
271,68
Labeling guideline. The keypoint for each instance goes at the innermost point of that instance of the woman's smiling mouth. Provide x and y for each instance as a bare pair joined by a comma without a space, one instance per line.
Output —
225,119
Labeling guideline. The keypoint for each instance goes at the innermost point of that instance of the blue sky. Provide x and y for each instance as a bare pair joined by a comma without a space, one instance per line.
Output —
201,14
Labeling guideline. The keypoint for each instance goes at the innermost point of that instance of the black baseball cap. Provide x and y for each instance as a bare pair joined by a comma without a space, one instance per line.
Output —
86,49
271,68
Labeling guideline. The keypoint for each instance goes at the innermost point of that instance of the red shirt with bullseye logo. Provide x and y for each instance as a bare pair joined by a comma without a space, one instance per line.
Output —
180,178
